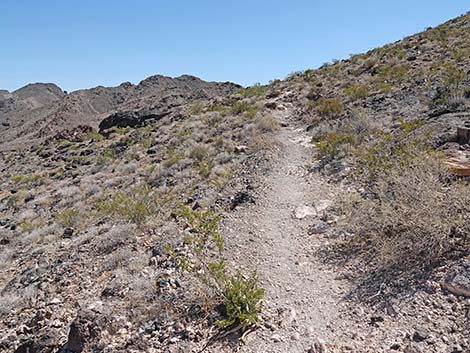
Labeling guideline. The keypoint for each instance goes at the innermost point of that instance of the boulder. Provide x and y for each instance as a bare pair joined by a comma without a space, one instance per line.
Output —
457,279
128,119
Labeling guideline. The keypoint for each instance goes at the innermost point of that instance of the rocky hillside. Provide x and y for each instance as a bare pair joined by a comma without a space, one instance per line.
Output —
35,112
132,218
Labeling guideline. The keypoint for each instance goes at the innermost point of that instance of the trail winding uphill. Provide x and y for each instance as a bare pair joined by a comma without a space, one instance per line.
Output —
302,296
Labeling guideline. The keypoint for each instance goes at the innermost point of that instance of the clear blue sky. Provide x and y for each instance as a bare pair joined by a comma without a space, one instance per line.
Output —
84,43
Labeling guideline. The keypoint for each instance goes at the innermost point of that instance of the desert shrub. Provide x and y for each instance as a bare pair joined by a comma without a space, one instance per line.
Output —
268,123
217,108
388,73
329,107
135,205
389,148
328,145
311,77
26,180
410,213
248,109
257,90
171,159
204,168
196,108
451,76
199,152
241,294
368,64
356,92
68,217
106,156
95,136
330,69
416,216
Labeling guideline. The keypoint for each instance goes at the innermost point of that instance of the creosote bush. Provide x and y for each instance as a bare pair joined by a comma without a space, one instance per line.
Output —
241,294
416,216
411,214
356,92
329,145
68,217
257,90
135,205
246,108
329,107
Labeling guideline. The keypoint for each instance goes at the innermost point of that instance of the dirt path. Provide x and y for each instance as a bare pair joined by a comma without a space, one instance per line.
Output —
302,296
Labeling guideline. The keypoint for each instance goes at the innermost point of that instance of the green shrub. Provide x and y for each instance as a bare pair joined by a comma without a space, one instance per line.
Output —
356,92
417,216
257,90
95,136
204,168
199,152
451,75
241,294
26,180
196,108
329,107
390,73
328,145
172,158
135,205
248,109
68,217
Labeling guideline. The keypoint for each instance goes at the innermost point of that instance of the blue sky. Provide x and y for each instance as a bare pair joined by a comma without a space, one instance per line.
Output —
84,43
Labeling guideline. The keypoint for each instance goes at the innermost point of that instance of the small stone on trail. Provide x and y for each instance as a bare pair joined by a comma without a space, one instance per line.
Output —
303,211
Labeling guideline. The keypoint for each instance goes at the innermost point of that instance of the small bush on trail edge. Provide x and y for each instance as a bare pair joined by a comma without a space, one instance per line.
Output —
241,294
328,145
135,205
414,216
389,148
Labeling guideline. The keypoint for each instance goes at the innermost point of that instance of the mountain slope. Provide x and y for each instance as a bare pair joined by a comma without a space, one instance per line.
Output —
30,115
327,183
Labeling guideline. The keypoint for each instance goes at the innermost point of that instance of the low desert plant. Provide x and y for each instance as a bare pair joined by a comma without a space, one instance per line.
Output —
68,217
356,92
257,90
135,205
244,107
329,107
241,294
416,216
26,180
328,145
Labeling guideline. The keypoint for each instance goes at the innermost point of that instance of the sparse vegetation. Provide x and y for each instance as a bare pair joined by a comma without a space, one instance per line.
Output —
239,107
356,92
135,205
257,90
329,107
241,294
68,217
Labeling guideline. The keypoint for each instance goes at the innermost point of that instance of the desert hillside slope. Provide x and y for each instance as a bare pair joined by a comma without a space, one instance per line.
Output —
326,212
37,111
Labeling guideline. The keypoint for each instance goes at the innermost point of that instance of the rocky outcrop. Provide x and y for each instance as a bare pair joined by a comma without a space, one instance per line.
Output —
128,119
